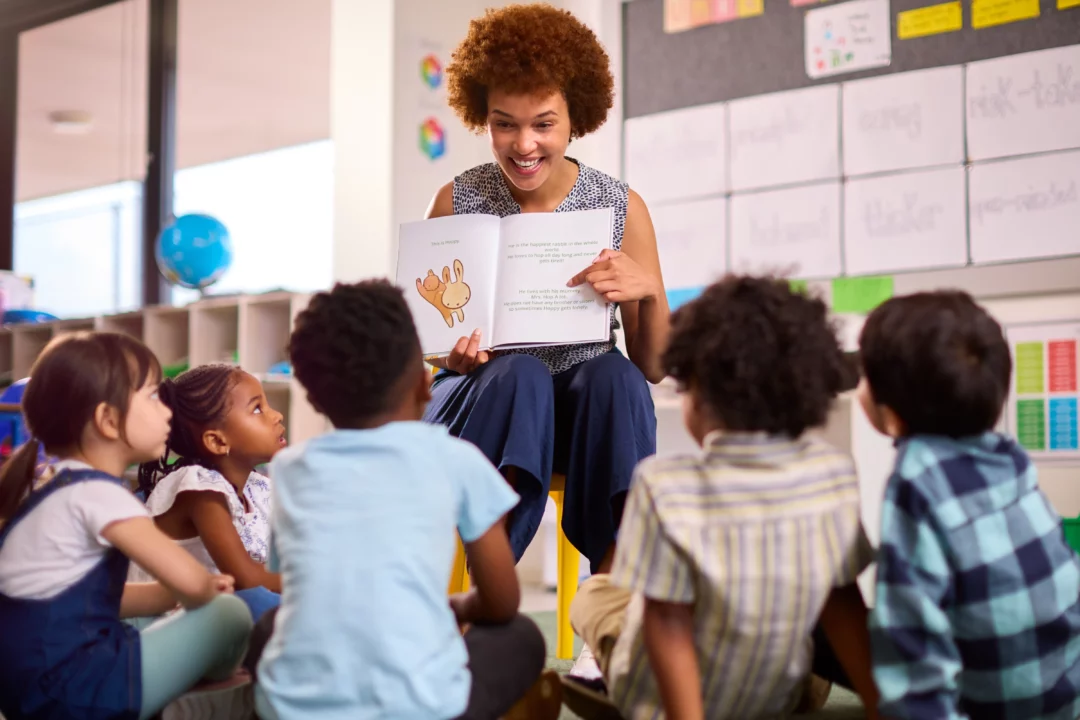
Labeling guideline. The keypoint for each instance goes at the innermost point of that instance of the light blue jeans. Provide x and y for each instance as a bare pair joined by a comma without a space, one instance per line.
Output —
180,650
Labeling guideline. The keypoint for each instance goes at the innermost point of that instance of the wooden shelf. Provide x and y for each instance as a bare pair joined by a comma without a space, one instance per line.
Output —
251,330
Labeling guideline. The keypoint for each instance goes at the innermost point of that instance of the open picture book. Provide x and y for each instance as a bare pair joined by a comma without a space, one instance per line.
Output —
506,276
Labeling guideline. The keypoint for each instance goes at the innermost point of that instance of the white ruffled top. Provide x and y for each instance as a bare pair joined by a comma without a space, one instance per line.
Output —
253,527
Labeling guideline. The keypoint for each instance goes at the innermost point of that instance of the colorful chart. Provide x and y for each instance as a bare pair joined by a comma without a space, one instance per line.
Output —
682,15
1043,406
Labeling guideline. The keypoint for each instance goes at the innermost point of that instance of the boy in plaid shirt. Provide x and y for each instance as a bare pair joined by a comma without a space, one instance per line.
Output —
977,609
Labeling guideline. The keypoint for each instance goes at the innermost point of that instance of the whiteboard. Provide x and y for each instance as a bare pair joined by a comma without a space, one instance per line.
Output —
677,155
1025,208
906,221
785,138
903,121
1024,104
793,232
691,238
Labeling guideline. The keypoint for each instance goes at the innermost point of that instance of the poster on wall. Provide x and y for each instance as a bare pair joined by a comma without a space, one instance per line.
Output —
1042,409
847,37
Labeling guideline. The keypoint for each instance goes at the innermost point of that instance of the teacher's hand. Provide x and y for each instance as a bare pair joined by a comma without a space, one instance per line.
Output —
467,355
618,277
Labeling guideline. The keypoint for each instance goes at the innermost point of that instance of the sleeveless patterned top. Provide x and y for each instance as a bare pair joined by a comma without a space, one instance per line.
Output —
483,190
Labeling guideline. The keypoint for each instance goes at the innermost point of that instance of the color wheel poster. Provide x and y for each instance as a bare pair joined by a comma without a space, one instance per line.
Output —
1042,408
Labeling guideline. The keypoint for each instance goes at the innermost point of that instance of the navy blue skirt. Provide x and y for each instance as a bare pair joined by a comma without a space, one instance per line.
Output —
592,423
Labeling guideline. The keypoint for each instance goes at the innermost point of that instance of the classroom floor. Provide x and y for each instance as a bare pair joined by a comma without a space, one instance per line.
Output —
540,606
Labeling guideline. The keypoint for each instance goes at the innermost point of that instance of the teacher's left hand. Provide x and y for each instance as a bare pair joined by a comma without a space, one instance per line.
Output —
618,277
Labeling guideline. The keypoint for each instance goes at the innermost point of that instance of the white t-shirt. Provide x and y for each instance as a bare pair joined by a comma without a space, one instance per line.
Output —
60,541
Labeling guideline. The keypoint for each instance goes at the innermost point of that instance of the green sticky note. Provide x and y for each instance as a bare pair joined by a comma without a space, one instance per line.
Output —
860,294
1031,424
799,286
1029,368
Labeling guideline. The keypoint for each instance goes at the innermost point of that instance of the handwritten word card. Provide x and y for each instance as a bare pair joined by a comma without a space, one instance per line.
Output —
1025,208
1042,408
905,221
1023,104
677,155
692,241
908,120
793,232
785,138
847,37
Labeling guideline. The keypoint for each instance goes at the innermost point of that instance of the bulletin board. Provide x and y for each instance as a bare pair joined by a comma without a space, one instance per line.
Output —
864,138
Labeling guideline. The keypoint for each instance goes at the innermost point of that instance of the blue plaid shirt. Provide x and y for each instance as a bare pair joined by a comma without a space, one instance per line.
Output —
977,609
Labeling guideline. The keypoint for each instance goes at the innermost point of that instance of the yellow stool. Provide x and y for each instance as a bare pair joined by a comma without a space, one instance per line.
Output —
568,563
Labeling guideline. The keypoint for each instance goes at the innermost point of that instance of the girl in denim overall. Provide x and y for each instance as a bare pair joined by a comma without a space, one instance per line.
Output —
66,538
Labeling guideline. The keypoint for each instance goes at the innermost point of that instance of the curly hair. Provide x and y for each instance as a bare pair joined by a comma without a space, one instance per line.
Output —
351,347
199,400
760,356
939,361
531,49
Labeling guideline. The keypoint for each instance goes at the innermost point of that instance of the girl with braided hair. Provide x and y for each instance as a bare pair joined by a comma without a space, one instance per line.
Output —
204,491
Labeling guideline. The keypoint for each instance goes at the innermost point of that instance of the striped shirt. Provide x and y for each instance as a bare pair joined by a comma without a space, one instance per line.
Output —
754,532
977,609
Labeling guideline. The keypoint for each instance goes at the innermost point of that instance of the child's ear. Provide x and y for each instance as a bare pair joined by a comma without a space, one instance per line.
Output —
215,442
107,421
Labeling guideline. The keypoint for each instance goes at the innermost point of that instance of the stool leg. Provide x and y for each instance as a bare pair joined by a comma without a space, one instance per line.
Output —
568,565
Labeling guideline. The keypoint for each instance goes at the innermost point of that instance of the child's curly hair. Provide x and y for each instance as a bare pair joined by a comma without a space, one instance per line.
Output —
761,356
531,49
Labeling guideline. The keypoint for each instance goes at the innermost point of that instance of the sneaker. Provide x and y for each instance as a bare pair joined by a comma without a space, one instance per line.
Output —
588,699
543,701
586,667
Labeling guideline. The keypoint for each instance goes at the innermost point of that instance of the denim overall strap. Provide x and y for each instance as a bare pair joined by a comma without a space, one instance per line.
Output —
70,655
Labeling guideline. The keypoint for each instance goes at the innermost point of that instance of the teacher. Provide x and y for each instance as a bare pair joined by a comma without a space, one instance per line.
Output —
534,78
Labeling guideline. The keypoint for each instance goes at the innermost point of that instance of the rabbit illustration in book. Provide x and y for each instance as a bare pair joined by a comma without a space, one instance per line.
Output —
432,289
457,293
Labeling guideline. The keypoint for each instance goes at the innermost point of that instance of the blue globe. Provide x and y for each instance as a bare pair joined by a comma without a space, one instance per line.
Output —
194,251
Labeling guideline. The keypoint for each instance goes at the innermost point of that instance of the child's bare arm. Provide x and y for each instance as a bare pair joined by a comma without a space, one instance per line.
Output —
496,594
844,620
210,515
669,640
146,600
158,554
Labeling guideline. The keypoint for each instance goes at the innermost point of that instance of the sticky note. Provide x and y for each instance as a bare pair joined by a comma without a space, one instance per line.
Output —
860,294
681,296
988,13
1031,424
1066,4
930,20
750,8
799,286
1029,368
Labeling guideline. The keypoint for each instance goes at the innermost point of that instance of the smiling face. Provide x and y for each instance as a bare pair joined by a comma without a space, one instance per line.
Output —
254,430
529,135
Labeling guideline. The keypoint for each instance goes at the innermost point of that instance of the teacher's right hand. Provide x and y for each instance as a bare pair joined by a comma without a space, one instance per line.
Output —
467,355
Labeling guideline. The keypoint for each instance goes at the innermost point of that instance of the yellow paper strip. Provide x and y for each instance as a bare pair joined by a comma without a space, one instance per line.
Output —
751,8
931,20
1066,4
988,13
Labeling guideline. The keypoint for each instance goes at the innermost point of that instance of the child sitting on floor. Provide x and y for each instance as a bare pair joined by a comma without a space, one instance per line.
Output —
211,500
977,606
727,560
64,547
363,533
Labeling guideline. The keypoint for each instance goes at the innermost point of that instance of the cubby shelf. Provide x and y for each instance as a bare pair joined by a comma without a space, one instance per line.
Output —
249,330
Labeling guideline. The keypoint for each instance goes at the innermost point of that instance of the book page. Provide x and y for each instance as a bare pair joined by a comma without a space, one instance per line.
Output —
539,254
447,266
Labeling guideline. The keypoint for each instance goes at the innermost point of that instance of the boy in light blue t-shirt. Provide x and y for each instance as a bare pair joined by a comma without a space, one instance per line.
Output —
363,535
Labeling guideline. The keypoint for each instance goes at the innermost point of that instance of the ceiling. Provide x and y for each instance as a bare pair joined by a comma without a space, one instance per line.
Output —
252,76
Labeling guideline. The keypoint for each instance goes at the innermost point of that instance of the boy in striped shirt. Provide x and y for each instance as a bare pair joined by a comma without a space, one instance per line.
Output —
977,607
727,558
